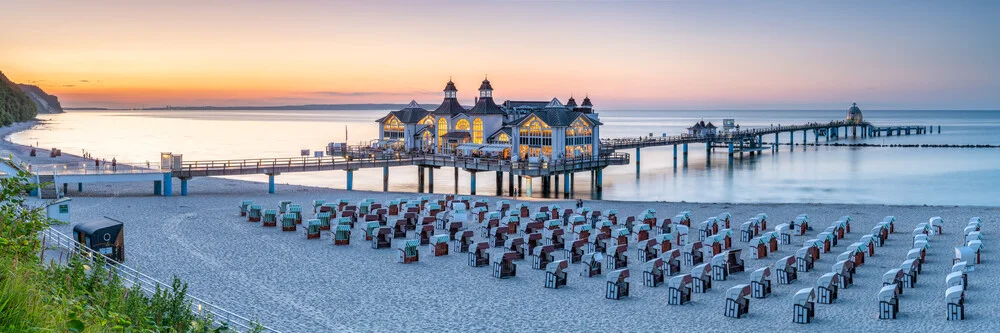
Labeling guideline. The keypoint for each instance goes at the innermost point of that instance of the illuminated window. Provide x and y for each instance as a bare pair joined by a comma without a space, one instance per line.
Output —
442,130
462,125
393,124
477,130
503,137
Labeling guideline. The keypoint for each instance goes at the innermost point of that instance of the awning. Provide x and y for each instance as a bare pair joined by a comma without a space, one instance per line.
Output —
457,135
494,148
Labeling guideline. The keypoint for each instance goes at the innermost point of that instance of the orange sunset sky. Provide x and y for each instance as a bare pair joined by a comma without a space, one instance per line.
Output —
626,55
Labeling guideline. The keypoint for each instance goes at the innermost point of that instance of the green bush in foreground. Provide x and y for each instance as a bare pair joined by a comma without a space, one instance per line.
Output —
80,296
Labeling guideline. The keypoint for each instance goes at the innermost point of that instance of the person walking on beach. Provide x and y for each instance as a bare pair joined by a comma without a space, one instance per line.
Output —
114,164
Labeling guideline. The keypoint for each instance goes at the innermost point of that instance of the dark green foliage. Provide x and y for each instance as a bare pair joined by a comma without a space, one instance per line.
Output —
15,105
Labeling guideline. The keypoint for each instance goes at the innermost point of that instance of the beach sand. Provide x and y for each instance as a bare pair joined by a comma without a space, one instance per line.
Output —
297,285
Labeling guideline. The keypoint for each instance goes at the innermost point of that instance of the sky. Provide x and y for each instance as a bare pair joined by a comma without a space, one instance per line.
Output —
623,54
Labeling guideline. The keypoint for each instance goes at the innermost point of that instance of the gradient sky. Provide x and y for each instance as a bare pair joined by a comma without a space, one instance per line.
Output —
626,55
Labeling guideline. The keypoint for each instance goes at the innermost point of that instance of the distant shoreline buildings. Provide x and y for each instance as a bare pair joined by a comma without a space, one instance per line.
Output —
514,130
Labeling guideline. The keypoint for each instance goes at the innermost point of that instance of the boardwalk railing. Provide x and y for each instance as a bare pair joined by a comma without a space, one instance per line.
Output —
149,285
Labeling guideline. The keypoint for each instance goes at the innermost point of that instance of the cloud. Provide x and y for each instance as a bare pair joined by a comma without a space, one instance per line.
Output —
369,93
69,85
85,81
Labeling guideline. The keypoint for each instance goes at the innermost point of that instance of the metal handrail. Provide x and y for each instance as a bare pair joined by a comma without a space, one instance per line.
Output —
150,285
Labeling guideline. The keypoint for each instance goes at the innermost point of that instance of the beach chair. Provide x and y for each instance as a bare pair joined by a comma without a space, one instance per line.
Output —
652,273
324,220
646,250
555,274
815,247
760,282
804,258
680,234
785,232
693,254
440,244
910,270
399,228
408,252
641,232
555,237
517,245
772,240
542,256
382,238
254,213
826,287
287,222
245,207
620,236
297,211
591,264
671,262
684,218
955,279
826,240
844,268
479,255
746,232
317,204
342,235
955,297
917,254
312,229
270,218
350,215
967,254
424,236
803,306
612,215
617,287
762,217
894,277
616,257
888,302
702,275
734,261
503,265
364,207
757,248
724,219
582,231
961,267
464,240
785,269
665,241
679,289
738,301
577,248
720,271
800,224
283,206
498,236
599,242
533,227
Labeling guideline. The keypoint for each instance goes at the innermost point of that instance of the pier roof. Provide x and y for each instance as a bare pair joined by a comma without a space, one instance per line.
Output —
449,106
486,105
556,117
411,114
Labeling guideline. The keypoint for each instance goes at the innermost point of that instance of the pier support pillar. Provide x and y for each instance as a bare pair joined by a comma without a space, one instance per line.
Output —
939,129
555,187
472,182
637,158
385,179
519,183
804,140
566,183
685,154
350,180
572,181
184,187
270,183
791,140
79,187
499,183
675,156
420,179
168,185
430,179
545,186
528,190
730,149
456,180
600,180
157,187
510,183
708,147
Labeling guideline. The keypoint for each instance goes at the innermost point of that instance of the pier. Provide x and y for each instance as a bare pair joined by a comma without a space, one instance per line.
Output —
746,141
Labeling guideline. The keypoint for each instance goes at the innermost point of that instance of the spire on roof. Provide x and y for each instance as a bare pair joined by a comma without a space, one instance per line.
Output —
586,102
413,105
571,103
485,89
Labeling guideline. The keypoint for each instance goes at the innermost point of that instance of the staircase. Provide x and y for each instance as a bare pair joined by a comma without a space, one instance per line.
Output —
48,187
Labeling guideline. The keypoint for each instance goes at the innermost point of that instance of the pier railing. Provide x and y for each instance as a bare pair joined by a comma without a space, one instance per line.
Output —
132,277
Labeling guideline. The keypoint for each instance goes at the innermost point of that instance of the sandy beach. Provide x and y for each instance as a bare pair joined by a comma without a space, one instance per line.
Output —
297,285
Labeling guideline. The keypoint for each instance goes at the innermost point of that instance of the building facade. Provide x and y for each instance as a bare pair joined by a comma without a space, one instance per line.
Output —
515,130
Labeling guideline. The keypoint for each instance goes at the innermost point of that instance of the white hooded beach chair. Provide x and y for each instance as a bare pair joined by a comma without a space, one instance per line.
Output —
616,257
785,231
719,270
641,232
760,282
918,256
757,248
785,270
747,232
724,219
652,273
693,254
681,235
738,301
702,275
910,270
804,258
542,256
955,297
844,268
803,306
679,289
888,302
591,264
555,274
408,252
665,241
762,218
966,254
800,224
503,265
577,248
937,224
646,250
962,267
826,287
617,287
479,255
671,262
440,244
891,222
894,277
955,279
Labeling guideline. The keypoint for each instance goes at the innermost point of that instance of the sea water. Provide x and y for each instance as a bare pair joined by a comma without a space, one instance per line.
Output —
823,174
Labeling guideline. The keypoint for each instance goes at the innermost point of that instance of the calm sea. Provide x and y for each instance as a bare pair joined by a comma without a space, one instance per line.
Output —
940,176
